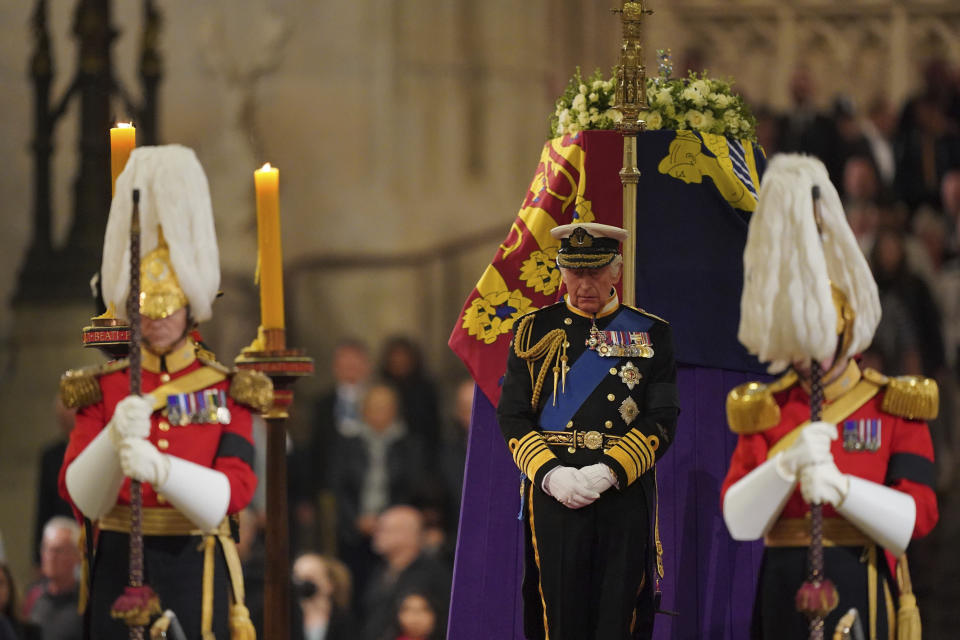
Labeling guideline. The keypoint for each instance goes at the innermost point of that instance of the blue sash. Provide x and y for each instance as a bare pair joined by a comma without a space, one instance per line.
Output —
585,374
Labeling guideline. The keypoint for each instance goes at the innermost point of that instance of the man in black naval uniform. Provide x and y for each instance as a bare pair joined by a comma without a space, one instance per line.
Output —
589,404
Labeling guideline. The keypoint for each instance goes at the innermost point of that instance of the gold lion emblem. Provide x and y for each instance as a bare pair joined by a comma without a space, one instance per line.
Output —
686,161
492,315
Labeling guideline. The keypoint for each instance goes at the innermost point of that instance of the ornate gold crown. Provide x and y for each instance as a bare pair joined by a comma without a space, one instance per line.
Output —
160,292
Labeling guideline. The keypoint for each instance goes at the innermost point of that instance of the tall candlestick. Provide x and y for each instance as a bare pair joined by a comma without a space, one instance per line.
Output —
123,140
267,181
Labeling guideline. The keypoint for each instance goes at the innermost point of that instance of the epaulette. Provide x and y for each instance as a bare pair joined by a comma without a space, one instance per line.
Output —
648,314
911,397
751,407
251,388
79,387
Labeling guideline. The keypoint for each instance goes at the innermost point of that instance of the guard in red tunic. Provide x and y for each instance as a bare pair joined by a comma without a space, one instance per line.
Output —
808,294
187,438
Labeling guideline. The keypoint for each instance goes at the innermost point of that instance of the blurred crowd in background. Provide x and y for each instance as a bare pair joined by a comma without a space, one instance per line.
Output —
897,169
374,490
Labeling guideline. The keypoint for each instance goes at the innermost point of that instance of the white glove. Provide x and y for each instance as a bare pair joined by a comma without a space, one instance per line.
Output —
200,493
754,502
570,487
131,419
811,447
823,483
600,477
141,461
881,512
94,478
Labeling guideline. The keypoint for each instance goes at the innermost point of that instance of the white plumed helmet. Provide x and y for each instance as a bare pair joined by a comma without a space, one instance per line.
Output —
176,216
787,311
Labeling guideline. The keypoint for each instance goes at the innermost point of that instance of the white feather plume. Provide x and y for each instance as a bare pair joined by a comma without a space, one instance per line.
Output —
174,195
786,310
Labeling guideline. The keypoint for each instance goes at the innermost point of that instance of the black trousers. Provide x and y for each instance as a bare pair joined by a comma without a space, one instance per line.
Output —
173,567
783,570
587,566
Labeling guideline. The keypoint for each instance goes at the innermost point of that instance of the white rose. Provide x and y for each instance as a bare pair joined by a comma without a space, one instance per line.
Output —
731,120
695,118
564,117
594,110
663,96
597,85
607,85
701,87
721,100
654,121
594,117
583,89
579,102
614,115
692,95
583,119
594,97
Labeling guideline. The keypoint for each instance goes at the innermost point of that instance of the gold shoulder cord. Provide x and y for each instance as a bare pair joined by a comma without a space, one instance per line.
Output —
549,347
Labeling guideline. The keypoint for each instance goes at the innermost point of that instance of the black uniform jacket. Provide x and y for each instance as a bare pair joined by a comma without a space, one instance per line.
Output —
599,401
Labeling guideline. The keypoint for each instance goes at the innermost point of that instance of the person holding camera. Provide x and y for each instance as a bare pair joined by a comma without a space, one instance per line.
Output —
322,586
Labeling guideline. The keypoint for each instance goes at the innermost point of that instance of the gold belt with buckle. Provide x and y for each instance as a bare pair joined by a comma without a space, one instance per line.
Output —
795,532
157,521
575,439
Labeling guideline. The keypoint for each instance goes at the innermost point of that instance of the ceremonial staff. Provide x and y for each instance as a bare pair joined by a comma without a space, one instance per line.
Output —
817,596
630,99
139,602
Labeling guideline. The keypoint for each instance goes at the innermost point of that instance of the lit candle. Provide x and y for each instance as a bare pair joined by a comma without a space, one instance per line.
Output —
267,181
123,140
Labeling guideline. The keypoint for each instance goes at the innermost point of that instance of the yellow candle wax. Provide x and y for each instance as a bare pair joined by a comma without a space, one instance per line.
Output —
123,140
267,182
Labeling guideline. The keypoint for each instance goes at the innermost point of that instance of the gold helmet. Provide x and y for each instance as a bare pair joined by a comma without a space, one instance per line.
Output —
845,318
160,292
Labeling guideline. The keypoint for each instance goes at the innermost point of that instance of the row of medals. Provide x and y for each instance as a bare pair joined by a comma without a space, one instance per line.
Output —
597,341
201,407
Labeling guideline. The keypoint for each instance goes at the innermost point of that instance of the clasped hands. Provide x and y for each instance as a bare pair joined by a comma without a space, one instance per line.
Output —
129,430
810,458
577,488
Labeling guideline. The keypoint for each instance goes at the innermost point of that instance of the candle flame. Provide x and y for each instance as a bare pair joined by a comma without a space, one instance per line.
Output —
124,125
266,167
